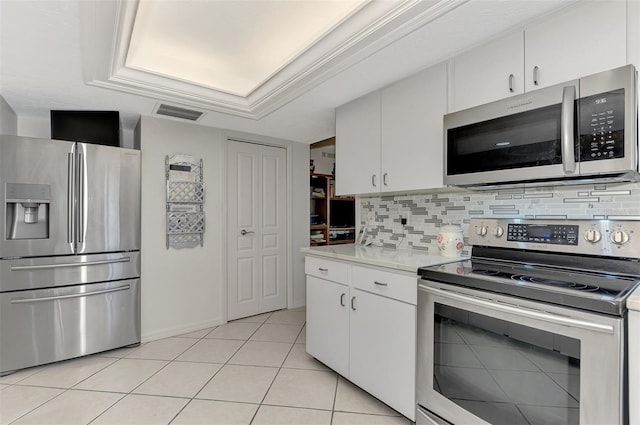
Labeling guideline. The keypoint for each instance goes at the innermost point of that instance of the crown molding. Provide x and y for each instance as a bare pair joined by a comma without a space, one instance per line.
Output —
108,26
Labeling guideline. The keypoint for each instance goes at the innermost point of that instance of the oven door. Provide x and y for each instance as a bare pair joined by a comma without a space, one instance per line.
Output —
482,358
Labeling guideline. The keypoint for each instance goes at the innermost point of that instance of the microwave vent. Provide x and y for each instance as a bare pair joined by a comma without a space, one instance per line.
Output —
520,103
177,112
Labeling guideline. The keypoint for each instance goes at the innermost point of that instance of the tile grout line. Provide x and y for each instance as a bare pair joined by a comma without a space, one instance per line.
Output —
276,375
218,371
190,399
64,390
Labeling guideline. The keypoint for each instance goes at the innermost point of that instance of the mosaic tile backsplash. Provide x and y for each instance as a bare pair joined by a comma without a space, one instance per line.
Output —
426,212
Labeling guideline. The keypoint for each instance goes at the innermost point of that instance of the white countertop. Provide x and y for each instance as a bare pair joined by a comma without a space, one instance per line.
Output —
400,259
633,302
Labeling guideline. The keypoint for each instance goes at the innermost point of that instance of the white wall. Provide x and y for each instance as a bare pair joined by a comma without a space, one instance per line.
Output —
31,126
324,159
300,220
184,290
8,119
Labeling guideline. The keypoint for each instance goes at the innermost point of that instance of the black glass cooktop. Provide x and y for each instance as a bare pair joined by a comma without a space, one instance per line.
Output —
598,291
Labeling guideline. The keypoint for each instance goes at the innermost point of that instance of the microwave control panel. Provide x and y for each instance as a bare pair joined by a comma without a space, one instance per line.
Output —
602,126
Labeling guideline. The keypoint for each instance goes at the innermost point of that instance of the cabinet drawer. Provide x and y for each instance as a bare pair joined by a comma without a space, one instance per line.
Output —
327,269
389,284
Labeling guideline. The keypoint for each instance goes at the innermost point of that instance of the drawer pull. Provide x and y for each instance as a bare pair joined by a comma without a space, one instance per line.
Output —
323,269
353,303
342,299
63,265
380,283
65,297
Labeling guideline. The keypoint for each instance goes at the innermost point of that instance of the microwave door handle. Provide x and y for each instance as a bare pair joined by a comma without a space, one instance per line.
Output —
567,138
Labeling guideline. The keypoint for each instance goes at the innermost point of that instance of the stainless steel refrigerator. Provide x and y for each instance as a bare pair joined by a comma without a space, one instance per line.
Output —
69,250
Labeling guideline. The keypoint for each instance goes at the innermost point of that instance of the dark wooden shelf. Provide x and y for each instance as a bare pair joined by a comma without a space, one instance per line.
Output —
341,241
323,208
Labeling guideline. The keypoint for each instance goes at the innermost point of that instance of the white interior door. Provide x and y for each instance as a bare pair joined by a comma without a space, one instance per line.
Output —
257,229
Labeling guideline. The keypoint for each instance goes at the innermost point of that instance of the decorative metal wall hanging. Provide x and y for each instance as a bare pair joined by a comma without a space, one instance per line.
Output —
185,201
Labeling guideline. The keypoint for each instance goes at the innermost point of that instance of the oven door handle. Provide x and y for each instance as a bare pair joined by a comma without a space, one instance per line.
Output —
523,311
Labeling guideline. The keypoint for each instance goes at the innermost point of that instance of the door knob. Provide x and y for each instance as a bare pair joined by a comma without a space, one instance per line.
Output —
244,232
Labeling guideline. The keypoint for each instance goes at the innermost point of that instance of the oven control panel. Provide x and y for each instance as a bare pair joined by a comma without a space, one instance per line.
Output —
561,234
616,238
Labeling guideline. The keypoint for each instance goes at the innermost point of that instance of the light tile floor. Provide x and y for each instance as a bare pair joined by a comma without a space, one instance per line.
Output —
249,371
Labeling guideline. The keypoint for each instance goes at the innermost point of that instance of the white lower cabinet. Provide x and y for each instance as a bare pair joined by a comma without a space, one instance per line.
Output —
328,323
382,353
365,329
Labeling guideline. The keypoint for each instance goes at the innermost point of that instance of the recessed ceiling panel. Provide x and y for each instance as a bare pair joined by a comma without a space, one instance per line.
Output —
229,45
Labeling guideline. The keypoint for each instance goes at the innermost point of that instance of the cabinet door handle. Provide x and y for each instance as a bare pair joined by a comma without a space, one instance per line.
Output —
511,83
322,269
373,180
342,299
353,303
384,178
380,283
536,75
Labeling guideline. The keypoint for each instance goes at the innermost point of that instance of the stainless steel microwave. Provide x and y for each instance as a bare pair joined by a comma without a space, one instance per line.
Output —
581,130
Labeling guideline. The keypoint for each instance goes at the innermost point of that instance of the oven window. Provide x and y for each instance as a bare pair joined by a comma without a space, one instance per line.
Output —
503,372
526,139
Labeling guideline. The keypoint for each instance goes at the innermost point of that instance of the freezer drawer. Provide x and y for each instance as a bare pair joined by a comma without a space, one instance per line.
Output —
45,272
48,325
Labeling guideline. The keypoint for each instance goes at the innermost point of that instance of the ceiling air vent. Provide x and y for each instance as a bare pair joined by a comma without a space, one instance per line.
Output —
182,113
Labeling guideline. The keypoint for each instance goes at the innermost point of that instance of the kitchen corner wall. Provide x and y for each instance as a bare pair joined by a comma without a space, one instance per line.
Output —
8,119
181,288
426,212
184,289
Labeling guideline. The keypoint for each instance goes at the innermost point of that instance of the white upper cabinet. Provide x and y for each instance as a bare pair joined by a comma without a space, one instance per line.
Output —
580,40
584,39
358,146
391,140
490,72
412,114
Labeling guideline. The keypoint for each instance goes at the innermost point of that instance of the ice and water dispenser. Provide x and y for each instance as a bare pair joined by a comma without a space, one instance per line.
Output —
27,210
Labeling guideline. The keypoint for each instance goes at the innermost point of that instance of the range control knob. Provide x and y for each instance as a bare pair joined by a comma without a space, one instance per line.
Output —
619,237
498,231
592,235
481,231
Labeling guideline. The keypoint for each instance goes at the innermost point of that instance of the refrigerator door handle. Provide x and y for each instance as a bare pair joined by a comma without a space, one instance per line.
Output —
71,176
64,297
81,206
64,265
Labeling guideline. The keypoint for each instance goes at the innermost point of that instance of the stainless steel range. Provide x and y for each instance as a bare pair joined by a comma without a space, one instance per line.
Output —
531,329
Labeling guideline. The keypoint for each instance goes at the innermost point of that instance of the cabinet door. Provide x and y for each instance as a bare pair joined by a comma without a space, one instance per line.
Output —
358,146
584,39
383,349
328,323
483,74
412,141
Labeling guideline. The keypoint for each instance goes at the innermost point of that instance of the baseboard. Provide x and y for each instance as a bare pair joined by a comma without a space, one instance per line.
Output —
179,330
